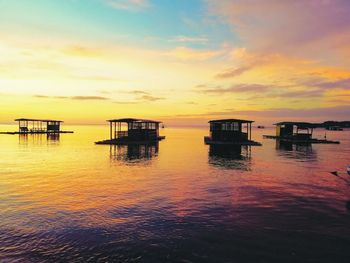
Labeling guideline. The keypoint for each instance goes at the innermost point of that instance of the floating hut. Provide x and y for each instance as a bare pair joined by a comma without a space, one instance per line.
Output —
230,132
37,126
133,131
296,132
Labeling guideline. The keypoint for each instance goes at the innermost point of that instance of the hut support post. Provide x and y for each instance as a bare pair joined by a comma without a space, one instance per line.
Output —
247,131
250,131
110,130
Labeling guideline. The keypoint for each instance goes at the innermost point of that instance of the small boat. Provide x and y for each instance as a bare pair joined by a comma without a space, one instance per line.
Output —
261,127
348,169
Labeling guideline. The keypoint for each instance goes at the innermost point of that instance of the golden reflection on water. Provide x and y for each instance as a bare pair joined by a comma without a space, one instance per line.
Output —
69,172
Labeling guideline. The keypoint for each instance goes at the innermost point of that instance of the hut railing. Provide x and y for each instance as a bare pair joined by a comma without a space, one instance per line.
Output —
302,135
121,134
228,136
23,129
37,130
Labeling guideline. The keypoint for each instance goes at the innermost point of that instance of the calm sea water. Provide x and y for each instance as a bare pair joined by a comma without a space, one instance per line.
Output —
67,200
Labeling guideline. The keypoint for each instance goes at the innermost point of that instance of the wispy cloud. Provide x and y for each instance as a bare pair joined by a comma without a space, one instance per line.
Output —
327,112
129,5
50,97
138,92
246,61
340,101
319,85
301,94
335,84
188,39
234,72
336,113
299,90
151,98
237,88
89,98
145,96
72,97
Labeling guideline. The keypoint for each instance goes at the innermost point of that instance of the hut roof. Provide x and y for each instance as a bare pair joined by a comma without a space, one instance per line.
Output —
42,120
130,120
231,120
299,124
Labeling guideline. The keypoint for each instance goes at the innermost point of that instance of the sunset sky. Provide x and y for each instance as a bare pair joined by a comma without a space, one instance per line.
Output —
183,61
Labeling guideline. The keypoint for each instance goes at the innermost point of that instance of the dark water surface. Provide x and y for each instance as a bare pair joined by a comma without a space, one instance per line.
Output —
67,200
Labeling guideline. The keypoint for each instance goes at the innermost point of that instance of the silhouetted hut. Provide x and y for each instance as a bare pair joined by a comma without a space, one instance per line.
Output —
230,132
296,132
133,131
37,126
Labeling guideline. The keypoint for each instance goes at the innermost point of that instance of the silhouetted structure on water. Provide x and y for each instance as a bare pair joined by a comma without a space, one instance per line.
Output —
230,132
38,126
133,131
296,132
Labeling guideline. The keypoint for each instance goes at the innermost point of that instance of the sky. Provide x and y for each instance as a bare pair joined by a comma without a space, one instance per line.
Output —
183,62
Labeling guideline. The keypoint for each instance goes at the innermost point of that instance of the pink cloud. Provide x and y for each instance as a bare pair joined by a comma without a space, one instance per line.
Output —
339,113
317,28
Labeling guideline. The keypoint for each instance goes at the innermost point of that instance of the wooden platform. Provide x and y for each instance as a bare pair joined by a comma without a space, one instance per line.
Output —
209,141
122,141
36,132
299,141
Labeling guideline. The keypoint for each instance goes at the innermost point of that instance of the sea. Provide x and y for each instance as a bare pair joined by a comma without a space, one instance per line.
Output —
65,199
